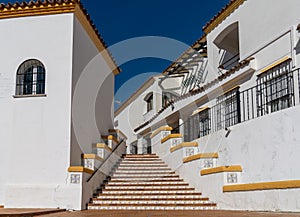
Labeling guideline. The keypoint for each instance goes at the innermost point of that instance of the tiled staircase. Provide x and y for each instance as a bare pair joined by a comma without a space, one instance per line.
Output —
144,182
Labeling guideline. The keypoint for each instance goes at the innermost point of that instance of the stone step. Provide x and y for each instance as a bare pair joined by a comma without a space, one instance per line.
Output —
129,176
142,160
142,165
151,192
157,207
144,172
145,183
166,179
151,202
152,197
154,188
122,168
140,156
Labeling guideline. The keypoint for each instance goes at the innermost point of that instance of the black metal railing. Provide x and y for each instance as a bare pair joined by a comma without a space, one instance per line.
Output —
113,152
271,93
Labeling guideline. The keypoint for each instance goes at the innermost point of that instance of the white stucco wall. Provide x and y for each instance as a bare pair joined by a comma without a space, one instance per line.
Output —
266,30
35,132
267,148
136,112
92,95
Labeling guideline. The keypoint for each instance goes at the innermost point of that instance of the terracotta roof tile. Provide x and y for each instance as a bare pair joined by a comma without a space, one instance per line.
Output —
222,14
39,3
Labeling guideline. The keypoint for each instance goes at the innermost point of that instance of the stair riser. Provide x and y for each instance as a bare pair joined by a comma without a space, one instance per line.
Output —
149,208
153,203
154,188
147,198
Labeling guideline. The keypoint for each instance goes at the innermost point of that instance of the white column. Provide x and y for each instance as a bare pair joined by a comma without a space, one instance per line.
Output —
140,146
181,126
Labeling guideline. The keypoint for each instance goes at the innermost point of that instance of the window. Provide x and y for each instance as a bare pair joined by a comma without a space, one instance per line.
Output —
228,43
275,89
167,97
149,101
228,109
204,121
30,78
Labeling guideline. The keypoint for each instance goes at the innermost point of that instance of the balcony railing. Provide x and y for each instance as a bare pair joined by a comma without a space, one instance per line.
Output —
271,95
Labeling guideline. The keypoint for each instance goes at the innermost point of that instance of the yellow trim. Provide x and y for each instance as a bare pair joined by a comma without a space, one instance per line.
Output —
80,169
40,9
231,89
163,128
262,186
92,156
221,169
110,137
200,110
200,156
170,136
274,65
183,145
222,16
94,37
102,145
117,131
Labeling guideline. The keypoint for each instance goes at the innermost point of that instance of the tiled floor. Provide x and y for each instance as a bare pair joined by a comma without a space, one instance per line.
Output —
170,214
27,212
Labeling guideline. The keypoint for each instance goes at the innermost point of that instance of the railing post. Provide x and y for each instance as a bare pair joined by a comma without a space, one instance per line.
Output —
296,76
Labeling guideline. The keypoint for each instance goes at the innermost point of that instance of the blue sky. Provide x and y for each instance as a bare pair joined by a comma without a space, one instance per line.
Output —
118,20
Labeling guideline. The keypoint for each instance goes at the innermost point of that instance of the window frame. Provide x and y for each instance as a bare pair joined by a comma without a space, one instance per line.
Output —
30,79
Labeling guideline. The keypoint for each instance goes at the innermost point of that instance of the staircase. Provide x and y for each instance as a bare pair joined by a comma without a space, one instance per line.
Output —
144,182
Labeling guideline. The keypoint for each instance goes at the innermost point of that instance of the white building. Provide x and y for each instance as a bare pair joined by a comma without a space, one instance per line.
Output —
50,51
232,129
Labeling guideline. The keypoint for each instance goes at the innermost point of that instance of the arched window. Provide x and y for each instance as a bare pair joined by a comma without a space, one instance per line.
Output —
149,100
30,78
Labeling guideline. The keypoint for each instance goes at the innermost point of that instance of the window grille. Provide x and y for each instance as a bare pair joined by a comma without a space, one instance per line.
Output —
30,78
275,89
228,109
204,121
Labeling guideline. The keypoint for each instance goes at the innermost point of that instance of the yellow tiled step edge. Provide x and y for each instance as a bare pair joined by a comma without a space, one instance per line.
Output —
182,145
80,169
171,136
221,169
92,156
262,186
110,137
163,128
200,156
102,145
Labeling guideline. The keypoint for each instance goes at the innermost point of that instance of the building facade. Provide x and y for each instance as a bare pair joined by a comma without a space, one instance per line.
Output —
231,129
46,105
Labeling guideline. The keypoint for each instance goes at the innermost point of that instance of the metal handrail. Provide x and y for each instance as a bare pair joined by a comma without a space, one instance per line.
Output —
105,160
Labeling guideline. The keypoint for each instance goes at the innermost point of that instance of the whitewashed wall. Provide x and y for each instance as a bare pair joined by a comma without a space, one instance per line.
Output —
267,30
35,132
136,112
92,79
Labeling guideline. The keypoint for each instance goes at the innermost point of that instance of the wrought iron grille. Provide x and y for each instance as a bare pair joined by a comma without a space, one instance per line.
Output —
275,89
228,109
204,121
30,78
